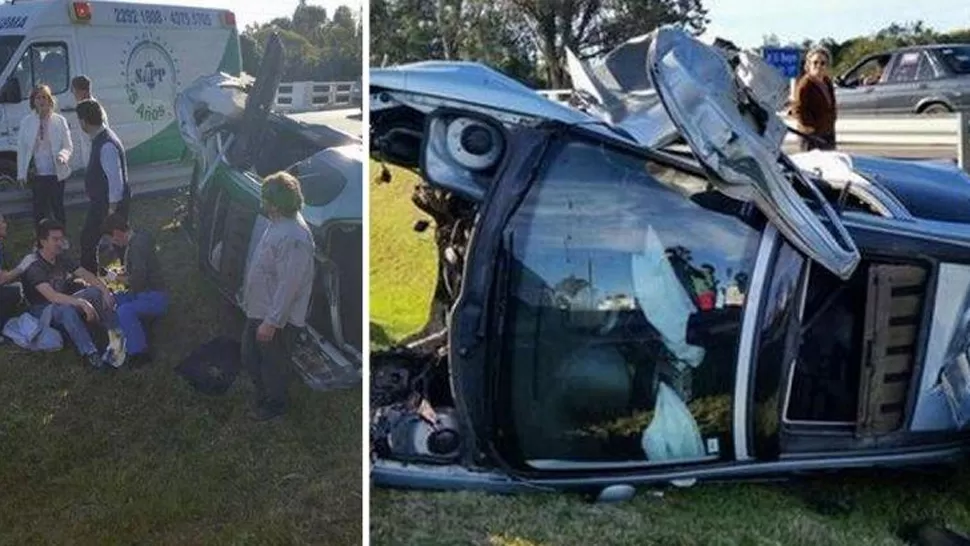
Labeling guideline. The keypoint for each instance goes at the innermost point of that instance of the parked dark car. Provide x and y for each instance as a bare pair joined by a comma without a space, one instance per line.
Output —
236,141
610,313
928,79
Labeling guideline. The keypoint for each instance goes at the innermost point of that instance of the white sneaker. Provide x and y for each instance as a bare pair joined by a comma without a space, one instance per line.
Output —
116,353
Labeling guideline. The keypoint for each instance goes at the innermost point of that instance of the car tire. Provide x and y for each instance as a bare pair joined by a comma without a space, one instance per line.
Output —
935,109
8,175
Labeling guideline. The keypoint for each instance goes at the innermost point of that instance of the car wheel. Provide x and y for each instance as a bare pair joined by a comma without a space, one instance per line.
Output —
936,109
8,175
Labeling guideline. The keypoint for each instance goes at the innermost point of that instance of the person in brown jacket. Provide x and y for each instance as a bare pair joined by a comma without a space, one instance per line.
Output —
814,106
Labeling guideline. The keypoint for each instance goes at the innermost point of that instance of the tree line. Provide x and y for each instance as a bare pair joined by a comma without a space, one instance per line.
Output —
319,46
847,53
527,39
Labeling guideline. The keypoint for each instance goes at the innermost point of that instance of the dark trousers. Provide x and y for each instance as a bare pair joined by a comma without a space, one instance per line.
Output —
10,298
91,232
48,193
267,363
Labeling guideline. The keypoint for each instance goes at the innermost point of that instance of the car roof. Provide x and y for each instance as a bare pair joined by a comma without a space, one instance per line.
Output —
929,189
926,47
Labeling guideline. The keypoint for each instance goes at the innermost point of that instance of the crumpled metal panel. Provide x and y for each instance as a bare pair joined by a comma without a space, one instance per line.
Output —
733,134
206,104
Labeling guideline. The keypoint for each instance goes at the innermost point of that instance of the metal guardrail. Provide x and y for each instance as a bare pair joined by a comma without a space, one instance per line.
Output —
146,180
310,96
917,131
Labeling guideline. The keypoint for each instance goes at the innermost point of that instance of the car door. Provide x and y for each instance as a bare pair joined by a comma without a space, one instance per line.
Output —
907,83
858,90
866,366
733,129
228,221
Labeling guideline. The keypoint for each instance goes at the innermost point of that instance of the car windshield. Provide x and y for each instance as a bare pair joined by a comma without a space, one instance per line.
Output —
8,46
957,59
626,285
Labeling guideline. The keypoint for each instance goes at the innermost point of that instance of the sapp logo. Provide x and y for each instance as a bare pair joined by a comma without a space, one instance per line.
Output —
150,75
151,78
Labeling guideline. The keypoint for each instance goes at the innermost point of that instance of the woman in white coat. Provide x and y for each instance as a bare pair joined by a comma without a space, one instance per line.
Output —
44,154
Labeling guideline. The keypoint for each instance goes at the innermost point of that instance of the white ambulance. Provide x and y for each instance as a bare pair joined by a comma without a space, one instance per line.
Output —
138,57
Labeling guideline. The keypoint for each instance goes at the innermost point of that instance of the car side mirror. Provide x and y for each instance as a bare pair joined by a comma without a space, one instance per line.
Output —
10,93
839,81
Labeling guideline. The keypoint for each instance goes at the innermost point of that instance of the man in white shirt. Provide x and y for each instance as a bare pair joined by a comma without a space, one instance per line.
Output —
105,181
81,89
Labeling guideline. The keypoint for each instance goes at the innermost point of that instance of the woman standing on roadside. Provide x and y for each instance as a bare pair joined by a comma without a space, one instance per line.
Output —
814,106
45,143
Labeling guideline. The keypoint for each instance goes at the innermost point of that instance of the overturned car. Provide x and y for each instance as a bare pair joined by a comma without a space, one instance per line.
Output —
643,288
236,140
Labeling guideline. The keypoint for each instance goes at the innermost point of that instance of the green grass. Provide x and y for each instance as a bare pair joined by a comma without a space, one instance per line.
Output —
856,509
139,457
402,261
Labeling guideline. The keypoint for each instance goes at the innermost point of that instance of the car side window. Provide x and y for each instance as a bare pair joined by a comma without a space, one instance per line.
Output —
925,72
908,67
45,64
624,296
869,72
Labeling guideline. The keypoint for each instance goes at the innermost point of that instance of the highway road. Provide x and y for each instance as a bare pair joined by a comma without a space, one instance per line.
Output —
346,120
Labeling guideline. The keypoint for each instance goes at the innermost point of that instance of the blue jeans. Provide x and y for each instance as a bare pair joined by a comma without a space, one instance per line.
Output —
133,306
72,319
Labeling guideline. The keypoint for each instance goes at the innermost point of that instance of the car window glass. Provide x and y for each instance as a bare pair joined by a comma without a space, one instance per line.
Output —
320,181
23,73
957,59
925,70
776,343
868,73
43,64
51,67
906,68
624,301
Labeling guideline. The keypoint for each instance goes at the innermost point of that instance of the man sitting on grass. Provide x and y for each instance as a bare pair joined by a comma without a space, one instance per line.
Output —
10,294
146,295
48,281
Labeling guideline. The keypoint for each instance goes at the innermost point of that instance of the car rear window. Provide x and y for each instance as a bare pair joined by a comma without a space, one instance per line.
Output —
957,59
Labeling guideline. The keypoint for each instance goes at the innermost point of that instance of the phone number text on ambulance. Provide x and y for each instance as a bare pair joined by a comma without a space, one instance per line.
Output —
132,16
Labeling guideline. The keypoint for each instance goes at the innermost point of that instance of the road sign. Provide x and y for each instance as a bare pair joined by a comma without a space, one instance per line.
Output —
786,59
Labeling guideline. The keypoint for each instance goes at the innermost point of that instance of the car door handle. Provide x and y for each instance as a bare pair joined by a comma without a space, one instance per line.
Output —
69,109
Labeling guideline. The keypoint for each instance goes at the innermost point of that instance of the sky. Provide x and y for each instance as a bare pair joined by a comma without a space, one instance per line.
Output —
257,11
745,24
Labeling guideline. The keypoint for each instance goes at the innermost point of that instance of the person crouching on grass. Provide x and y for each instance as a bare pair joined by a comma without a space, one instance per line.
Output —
146,295
276,293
